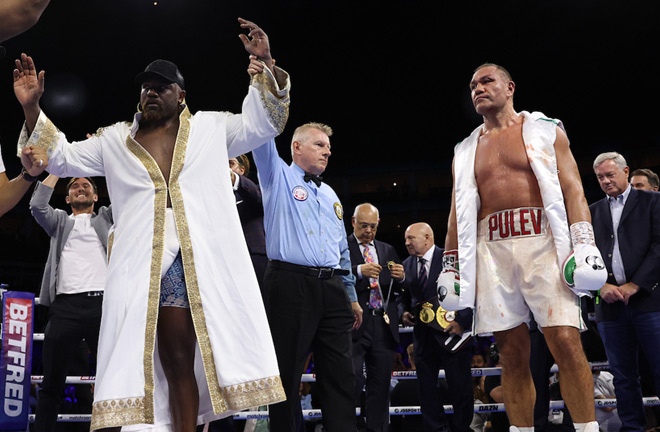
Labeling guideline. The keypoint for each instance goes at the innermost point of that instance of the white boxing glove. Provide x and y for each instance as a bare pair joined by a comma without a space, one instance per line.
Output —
449,282
584,269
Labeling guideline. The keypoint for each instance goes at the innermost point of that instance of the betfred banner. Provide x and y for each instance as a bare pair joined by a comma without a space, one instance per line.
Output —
16,360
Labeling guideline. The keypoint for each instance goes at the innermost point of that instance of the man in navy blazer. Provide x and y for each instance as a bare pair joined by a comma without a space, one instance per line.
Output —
627,230
431,355
376,339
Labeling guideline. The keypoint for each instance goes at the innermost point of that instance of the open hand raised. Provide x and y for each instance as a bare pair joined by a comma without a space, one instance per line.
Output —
28,85
256,42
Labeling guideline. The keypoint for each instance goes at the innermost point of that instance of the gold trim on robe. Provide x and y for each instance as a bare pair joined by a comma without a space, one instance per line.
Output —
187,256
275,97
111,413
127,411
158,242
44,135
111,240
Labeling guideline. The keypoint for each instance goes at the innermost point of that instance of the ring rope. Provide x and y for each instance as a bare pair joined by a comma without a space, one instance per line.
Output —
402,410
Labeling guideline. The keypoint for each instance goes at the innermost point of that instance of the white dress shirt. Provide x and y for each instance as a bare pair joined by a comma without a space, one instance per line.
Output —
428,256
616,208
83,266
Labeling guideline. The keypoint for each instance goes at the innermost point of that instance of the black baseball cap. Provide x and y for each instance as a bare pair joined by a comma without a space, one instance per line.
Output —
163,69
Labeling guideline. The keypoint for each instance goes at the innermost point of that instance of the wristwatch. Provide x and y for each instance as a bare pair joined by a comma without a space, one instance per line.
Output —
27,177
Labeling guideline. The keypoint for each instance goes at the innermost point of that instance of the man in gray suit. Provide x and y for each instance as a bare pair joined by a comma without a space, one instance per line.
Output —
72,286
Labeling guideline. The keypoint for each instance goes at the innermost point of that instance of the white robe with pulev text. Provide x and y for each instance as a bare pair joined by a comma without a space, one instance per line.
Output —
235,362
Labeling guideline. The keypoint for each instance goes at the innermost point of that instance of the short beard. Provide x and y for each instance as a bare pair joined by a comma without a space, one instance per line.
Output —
82,205
152,116
159,116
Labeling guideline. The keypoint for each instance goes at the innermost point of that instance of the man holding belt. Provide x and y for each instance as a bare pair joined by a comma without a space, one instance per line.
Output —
379,274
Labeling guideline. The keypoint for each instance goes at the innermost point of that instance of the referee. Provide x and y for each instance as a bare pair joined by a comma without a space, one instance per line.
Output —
310,292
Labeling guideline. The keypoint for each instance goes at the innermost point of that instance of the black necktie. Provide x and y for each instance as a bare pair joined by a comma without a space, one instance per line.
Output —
315,178
422,272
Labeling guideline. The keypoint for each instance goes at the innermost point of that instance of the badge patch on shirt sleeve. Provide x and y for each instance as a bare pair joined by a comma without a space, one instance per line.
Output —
300,193
339,211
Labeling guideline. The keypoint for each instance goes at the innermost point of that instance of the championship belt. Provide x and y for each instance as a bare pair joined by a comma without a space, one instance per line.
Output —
431,314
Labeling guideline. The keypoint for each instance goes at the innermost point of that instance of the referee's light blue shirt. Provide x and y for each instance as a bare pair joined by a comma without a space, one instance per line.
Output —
304,223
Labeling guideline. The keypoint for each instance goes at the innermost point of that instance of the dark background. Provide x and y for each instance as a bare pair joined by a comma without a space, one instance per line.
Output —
390,77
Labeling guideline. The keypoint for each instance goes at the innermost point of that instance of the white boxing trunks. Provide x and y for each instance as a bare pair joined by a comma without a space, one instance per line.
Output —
517,272
171,246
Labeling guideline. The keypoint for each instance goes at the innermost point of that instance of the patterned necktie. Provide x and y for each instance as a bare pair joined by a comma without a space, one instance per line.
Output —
422,272
375,299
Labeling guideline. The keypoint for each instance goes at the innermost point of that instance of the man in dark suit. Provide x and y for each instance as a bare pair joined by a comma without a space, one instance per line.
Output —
378,271
627,230
644,179
251,212
422,268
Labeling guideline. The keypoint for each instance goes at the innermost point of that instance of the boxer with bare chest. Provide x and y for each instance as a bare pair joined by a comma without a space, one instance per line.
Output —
517,269
501,166
160,101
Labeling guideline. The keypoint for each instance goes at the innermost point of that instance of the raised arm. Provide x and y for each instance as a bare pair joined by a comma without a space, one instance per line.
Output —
41,210
16,16
51,181
28,88
256,43
41,144
266,107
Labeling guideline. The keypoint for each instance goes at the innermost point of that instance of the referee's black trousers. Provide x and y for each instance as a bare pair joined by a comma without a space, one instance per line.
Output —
310,314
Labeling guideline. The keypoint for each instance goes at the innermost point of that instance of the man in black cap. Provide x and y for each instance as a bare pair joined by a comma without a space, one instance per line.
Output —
184,336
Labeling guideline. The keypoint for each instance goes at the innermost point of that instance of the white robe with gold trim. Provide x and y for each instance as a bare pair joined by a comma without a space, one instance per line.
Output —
235,363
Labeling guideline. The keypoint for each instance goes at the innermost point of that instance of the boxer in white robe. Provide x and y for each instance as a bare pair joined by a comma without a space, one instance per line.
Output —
168,159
